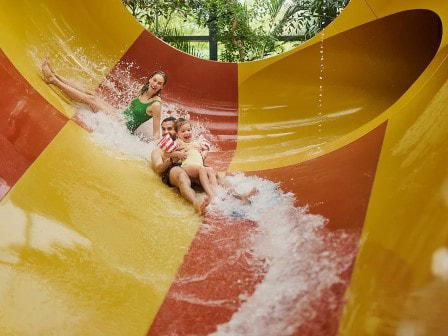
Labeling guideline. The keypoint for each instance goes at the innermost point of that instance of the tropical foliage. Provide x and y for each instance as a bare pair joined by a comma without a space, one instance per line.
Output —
245,30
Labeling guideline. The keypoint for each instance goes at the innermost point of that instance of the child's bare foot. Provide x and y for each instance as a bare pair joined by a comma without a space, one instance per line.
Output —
77,119
47,72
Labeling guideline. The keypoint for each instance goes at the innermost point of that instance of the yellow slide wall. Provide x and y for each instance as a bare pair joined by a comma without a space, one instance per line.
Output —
75,209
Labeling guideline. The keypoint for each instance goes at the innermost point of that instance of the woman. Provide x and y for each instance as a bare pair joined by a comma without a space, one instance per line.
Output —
145,106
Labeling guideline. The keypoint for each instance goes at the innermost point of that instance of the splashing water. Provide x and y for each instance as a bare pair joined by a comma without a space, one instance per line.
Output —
112,134
72,60
177,110
118,88
321,72
302,262
114,137
299,259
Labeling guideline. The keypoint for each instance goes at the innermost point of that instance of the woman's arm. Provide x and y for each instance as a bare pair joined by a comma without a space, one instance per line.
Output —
156,111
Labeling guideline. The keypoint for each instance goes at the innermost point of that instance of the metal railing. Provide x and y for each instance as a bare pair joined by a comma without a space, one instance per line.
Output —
213,45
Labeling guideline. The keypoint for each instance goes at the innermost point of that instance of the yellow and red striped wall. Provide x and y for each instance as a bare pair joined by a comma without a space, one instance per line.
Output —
89,244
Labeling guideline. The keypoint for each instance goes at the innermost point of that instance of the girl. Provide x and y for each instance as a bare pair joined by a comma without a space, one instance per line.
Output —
145,106
194,162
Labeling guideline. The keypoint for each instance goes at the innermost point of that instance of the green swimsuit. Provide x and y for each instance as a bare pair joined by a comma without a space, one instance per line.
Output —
135,114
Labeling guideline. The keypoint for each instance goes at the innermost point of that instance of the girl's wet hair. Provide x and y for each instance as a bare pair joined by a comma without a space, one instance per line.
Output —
146,86
179,123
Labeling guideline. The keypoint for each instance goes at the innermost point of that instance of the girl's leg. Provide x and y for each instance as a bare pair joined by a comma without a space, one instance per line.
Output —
222,180
205,182
75,94
211,176
194,172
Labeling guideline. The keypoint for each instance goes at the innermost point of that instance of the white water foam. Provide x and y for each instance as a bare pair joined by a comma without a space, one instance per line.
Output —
107,131
298,258
114,137
301,260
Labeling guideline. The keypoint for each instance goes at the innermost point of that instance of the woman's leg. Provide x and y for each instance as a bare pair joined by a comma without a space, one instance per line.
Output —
65,80
73,92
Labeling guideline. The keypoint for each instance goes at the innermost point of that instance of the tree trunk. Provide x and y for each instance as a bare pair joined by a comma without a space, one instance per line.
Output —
239,44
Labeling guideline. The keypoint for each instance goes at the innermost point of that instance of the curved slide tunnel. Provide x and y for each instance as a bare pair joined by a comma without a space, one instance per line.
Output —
352,123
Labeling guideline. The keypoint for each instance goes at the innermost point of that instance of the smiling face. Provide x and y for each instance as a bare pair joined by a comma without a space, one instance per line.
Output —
156,83
168,127
185,133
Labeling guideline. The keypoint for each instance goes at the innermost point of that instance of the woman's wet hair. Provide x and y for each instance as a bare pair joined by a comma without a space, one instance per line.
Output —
179,123
146,86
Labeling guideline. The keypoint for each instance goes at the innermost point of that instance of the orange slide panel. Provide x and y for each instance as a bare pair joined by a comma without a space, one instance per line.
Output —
22,136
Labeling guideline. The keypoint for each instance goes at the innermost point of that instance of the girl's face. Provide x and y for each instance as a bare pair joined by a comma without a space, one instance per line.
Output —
156,83
185,133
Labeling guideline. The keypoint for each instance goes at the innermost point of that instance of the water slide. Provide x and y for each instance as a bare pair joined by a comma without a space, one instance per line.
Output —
345,138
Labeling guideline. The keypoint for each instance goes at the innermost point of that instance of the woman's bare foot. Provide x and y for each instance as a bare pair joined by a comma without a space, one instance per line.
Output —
47,62
77,119
47,71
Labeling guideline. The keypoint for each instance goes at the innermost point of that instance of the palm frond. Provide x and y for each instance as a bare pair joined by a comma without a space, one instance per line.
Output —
175,37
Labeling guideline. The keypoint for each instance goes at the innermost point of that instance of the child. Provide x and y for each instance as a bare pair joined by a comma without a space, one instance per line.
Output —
194,163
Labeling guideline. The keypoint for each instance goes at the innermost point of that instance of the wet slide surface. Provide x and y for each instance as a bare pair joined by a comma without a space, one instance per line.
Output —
343,138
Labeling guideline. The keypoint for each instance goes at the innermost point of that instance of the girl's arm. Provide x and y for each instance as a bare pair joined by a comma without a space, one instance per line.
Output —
180,154
201,150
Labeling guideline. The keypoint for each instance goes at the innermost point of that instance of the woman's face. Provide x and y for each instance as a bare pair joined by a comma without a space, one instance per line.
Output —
156,83
185,133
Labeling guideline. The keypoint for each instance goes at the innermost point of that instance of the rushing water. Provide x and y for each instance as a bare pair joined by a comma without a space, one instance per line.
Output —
298,259
107,131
